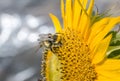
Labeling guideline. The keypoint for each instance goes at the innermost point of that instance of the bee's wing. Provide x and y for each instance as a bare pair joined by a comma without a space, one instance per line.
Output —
38,47
44,37
34,47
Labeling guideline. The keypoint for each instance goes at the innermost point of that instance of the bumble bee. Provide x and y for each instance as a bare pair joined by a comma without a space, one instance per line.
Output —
50,41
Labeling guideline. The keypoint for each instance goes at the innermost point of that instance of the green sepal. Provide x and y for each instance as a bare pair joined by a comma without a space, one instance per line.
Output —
96,16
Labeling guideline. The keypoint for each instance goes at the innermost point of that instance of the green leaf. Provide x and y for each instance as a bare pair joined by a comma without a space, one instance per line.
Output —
114,48
115,40
115,54
114,33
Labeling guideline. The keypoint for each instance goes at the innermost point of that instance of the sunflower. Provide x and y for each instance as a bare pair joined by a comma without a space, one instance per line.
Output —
82,56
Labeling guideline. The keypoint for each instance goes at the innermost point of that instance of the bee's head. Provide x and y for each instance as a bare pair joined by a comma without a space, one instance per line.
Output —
50,36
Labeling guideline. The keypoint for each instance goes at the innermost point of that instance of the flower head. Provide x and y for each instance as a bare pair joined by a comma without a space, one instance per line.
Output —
82,55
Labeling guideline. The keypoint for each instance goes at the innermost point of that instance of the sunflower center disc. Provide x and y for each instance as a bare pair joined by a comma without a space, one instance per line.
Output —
74,57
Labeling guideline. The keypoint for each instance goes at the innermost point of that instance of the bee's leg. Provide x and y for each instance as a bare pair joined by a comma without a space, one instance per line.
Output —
40,45
59,44
55,48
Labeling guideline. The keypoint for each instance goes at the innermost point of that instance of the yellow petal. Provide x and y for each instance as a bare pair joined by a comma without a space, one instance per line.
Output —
101,50
97,28
56,23
84,26
103,33
47,64
109,65
50,67
90,7
109,70
108,76
69,13
84,21
63,13
54,75
76,15
82,7
85,3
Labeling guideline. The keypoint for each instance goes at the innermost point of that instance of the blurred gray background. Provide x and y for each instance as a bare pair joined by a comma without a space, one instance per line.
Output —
21,21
